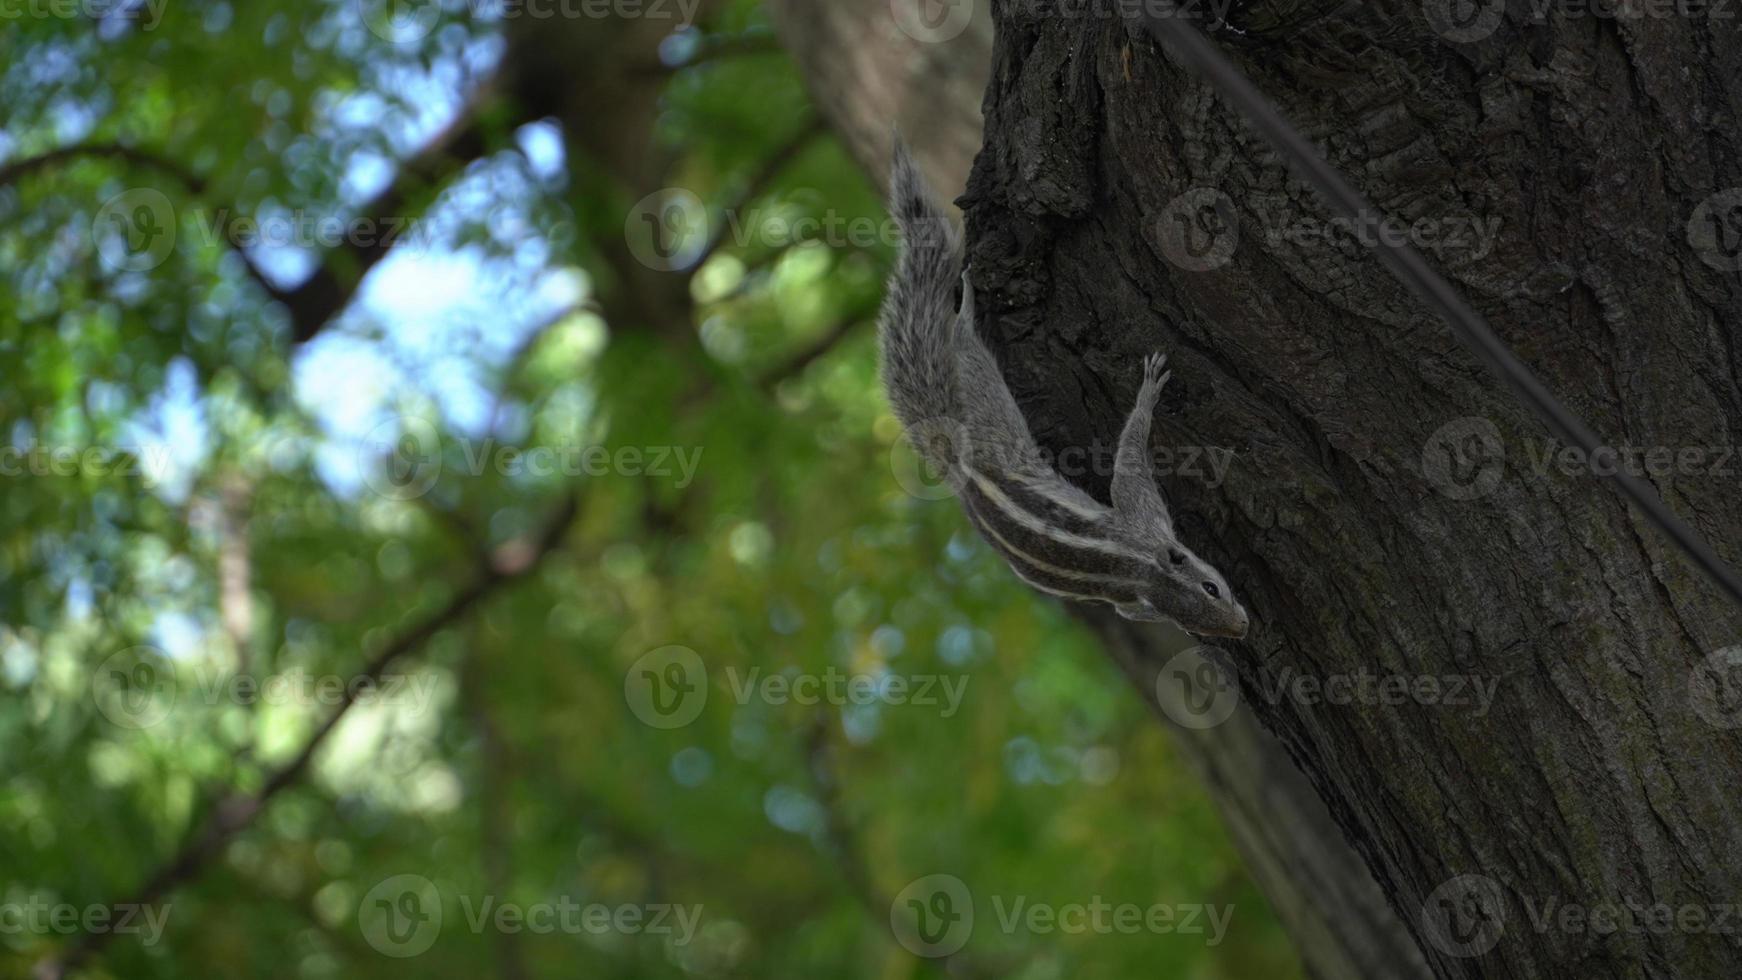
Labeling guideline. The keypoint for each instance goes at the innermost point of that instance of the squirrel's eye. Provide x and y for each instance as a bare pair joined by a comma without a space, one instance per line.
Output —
1214,592
1176,558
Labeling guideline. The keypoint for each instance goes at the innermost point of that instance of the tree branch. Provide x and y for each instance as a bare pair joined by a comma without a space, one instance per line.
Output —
12,172
807,356
718,48
323,295
778,161
191,182
328,291
232,815
495,809
235,566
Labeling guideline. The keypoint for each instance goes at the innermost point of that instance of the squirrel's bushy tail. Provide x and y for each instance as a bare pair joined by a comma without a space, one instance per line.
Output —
918,323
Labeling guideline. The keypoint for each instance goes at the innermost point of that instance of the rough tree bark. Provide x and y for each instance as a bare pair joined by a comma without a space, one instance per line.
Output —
1389,512
866,72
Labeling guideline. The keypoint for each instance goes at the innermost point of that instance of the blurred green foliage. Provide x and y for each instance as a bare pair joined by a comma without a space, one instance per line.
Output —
263,536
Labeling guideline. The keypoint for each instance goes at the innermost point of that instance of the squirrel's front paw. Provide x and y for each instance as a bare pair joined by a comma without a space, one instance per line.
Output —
1153,370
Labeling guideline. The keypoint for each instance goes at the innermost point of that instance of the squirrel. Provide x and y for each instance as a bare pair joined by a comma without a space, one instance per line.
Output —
950,396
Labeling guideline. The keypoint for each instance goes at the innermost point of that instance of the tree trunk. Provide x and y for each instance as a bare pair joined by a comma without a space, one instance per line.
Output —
1392,516
868,72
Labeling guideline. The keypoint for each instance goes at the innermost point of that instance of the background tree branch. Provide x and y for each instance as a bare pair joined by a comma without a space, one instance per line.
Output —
233,814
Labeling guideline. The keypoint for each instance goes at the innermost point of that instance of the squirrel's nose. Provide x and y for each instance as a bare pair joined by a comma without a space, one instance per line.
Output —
1245,623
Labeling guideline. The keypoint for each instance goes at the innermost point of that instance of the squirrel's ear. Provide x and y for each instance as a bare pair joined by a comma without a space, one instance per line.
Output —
967,314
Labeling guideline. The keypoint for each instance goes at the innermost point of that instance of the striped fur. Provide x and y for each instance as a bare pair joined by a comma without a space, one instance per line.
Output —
1083,562
1066,584
1076,536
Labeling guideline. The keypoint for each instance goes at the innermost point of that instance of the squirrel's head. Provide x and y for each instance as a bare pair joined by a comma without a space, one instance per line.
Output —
1187,591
